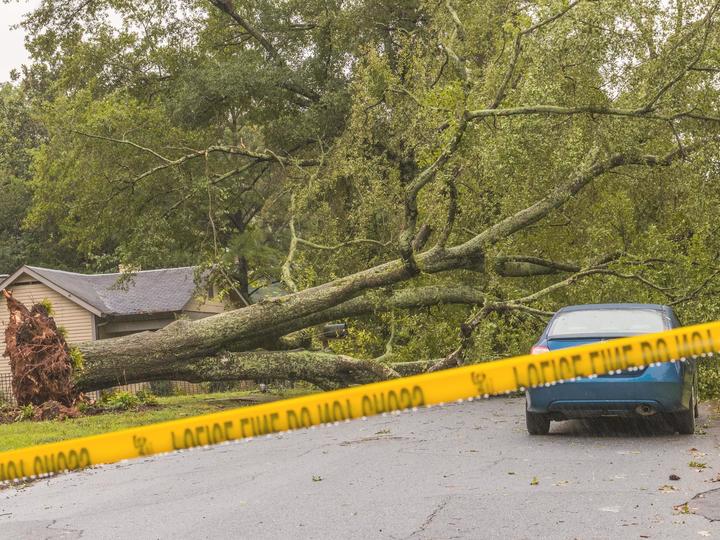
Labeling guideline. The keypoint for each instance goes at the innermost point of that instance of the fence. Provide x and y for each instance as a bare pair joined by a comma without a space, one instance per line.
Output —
159,388
6,394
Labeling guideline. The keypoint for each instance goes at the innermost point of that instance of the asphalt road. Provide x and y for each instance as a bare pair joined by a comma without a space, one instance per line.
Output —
459,471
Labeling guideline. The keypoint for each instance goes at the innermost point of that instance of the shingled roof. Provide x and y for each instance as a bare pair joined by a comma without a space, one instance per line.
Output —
147,291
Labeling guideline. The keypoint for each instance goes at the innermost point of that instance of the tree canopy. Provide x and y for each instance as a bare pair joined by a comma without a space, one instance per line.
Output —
461,168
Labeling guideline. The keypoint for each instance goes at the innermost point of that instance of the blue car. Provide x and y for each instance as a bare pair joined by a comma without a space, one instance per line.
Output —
668,389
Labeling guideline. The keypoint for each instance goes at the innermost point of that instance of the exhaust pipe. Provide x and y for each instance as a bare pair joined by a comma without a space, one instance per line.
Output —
645,410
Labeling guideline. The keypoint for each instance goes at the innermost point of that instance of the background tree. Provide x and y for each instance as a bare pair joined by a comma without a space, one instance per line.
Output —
386,160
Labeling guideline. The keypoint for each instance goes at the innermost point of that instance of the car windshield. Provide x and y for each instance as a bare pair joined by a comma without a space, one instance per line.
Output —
606,322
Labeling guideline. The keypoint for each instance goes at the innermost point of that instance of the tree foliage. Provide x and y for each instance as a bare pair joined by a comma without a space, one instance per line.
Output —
314,140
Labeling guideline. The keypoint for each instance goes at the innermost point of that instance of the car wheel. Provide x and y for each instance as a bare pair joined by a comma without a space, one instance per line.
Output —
685,420
537,423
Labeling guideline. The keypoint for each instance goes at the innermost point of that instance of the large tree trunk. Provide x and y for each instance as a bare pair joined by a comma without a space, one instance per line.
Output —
129,359
102,369
323,369
250,327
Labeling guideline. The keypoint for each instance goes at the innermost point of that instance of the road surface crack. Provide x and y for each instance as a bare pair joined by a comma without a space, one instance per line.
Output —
428,520
374,438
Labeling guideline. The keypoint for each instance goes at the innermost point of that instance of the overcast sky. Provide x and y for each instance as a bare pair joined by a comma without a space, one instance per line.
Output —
12,48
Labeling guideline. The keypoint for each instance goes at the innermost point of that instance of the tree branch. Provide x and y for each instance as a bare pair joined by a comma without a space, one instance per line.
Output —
695,292
517,50
564,192
323,369
227,7
123,141
371,304
707,20
258,156
528,110
286,268
411,194
451,212
348,243
460,29
456,357
524,266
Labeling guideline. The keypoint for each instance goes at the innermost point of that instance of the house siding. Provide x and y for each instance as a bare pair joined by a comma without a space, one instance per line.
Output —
77,321
204,306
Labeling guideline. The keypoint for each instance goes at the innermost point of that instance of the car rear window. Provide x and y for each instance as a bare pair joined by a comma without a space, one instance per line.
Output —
606,322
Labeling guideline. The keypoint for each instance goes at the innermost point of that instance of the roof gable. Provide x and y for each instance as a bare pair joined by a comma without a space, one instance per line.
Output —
144,292
30,271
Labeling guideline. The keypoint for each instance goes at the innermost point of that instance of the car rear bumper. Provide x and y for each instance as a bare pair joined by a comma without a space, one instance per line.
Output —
659,388
590,409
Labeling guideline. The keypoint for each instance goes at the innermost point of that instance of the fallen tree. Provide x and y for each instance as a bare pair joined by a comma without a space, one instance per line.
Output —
256,341
225,346
201,349
42,363
107,363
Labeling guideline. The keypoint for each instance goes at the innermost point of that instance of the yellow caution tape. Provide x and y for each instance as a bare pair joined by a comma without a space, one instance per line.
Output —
395,395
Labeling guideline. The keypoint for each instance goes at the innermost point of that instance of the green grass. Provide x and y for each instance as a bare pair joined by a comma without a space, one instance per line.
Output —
21,434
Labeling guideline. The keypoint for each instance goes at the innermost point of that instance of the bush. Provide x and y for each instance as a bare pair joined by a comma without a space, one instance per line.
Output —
77,359
146,397
120,401
26,412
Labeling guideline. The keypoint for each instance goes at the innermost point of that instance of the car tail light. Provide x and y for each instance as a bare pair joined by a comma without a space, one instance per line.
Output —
539,349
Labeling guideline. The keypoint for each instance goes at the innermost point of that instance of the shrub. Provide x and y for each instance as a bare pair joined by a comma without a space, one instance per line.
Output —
26,412
146,397
120,401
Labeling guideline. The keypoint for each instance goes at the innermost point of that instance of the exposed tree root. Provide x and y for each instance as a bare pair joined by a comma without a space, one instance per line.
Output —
40,358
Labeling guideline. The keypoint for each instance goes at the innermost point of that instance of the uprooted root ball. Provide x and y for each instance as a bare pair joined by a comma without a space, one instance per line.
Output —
40,358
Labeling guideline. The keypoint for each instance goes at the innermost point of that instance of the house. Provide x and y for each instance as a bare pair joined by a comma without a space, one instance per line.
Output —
99,306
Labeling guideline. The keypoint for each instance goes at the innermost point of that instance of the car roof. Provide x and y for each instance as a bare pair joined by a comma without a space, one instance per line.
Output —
628,306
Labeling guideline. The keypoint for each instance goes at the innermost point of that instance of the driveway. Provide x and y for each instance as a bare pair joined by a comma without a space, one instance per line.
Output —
460,471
